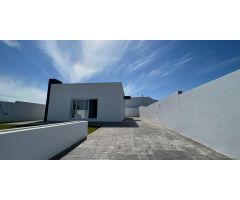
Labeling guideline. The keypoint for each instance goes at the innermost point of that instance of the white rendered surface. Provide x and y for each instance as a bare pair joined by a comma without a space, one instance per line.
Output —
209,114
40,142
21,111
132,105
110,98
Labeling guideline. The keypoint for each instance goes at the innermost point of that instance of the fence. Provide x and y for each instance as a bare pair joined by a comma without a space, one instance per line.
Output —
209,114
20,111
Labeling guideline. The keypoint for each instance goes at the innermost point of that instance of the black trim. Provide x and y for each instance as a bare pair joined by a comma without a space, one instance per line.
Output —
127,97
179,92
50,82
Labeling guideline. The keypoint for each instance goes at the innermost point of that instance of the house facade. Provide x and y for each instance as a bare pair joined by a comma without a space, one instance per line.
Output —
103,102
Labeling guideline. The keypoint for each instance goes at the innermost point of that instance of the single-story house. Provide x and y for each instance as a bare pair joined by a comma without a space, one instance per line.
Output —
94,102
85,101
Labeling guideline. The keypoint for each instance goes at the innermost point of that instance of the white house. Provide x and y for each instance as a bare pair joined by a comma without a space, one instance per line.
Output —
86,101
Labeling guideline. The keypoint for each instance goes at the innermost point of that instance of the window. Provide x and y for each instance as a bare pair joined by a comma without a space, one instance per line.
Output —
80,109
84,109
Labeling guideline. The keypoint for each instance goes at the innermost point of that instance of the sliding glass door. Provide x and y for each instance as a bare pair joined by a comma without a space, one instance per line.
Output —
84,109
79,109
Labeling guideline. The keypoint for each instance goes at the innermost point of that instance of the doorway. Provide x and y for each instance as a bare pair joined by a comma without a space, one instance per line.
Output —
84,108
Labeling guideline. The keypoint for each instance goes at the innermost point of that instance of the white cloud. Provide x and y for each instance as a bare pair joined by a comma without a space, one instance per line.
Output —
149,56
80,60
161,71
133,88
139,64
12,43
184,60
169,68
15,90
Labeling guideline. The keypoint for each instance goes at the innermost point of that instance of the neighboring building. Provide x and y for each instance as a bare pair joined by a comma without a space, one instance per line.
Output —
103,102
132,105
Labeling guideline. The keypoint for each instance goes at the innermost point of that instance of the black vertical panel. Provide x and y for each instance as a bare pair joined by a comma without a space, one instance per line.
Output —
93,103
50,82
73,109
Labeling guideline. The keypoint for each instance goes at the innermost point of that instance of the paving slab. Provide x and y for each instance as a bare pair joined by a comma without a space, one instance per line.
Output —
134,140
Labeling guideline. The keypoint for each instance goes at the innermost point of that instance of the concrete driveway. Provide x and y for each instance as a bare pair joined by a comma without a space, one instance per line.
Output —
133,140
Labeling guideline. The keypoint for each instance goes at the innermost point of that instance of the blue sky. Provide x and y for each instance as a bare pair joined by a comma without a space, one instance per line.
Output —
151,68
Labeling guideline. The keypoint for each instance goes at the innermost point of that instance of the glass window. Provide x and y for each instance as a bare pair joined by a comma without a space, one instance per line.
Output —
82,104
80,109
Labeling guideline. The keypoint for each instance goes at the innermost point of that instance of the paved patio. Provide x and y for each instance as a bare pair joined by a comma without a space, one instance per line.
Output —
133,140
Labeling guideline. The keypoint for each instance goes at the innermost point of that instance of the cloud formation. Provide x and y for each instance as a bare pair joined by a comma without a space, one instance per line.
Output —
134,88
12,90
78,61
12,43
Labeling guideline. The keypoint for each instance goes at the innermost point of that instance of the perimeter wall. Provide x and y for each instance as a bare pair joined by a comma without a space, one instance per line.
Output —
209,114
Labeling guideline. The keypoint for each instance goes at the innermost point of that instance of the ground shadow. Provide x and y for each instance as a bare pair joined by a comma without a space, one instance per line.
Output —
127,122
66,151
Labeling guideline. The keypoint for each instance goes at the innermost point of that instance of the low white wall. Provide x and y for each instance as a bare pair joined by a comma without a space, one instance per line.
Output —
131,112
41,142
209,114
20,111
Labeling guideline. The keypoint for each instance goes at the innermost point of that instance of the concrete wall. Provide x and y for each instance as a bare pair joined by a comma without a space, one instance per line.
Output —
42,142
132,105
209,114
164,112
110,98
20,111
131,112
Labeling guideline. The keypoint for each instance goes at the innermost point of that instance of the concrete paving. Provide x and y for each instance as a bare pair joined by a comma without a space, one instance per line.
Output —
133,140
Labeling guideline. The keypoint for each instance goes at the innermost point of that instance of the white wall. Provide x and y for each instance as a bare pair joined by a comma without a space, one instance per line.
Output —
42,142
209,114
164,112
131,112
132,105
21,111
110,98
